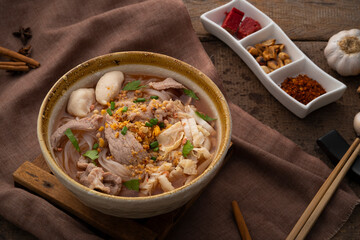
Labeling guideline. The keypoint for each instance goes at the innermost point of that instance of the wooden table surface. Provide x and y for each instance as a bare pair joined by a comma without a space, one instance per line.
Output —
309,24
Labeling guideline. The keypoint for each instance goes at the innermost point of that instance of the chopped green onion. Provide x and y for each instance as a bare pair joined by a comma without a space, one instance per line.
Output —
134,85
153,158
154,121
147,124
124,109
154,144
96,145
72,139
154,97
188,147
132,184
191,94
112,106
156,149
124,130
205,117
161,125
109,111
139,100
92,154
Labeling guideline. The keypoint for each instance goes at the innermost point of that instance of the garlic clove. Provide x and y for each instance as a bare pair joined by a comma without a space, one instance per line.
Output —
344,66
357,123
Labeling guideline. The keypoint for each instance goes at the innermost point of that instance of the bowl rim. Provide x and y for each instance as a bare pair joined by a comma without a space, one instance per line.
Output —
221,152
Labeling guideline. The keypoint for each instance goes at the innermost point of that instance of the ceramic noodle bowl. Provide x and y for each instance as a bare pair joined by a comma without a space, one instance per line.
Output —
86,75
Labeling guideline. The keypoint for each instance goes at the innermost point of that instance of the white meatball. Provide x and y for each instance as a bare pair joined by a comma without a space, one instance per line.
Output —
108,86
80,102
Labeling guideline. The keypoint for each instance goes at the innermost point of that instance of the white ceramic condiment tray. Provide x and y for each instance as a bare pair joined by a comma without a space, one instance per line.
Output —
300,64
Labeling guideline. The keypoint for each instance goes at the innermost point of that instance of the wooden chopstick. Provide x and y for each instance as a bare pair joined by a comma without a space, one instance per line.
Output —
322,197
244,232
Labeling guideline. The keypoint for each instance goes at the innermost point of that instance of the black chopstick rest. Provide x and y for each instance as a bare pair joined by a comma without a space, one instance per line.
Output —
335,146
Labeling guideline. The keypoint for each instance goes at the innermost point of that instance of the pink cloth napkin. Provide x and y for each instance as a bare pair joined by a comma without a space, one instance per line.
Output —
272,179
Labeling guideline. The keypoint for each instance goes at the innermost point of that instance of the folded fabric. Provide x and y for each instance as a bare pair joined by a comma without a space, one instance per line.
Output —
272,179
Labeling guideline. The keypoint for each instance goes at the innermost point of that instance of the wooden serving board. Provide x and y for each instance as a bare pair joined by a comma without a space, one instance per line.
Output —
36,177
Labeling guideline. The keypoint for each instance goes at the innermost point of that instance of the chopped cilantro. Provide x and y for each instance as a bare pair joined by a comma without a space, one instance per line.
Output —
161,124
154,144
109,111
72,139
151,122
153,158
132,86
156,149
124,109
191,94
96,145
92,154
154,97
205,117
124,130
132,184
139,100
188,147
112,106
154,121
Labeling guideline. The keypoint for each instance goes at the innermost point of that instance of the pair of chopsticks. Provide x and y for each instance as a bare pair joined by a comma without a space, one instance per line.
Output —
322,197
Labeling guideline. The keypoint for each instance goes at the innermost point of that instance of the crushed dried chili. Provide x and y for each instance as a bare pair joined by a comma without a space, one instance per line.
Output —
302,88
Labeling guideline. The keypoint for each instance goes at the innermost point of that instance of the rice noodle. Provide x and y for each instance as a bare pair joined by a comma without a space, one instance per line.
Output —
172,95
162,95
89,139
70,155
114,167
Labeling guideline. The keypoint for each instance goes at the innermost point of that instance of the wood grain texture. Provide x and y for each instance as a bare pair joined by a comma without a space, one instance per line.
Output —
301,20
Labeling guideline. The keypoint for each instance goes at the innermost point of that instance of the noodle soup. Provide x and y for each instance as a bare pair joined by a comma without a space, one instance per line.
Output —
134,135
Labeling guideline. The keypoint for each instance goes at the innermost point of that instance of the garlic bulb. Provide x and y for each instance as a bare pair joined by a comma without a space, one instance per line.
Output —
343,52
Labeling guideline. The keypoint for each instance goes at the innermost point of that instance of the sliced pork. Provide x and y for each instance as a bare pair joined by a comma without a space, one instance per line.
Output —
92,178
125,148
83,124
166,84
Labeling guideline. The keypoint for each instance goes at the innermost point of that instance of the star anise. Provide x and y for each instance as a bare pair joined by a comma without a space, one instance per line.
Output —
24,34
26,51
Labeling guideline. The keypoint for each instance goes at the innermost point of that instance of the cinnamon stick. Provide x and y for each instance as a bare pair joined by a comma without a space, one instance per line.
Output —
13,63
15,68
17,56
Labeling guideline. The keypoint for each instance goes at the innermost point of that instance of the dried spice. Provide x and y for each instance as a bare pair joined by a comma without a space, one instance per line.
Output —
302,88
19,61
24,34
232,20
234,24
26,51
247,27
269,55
